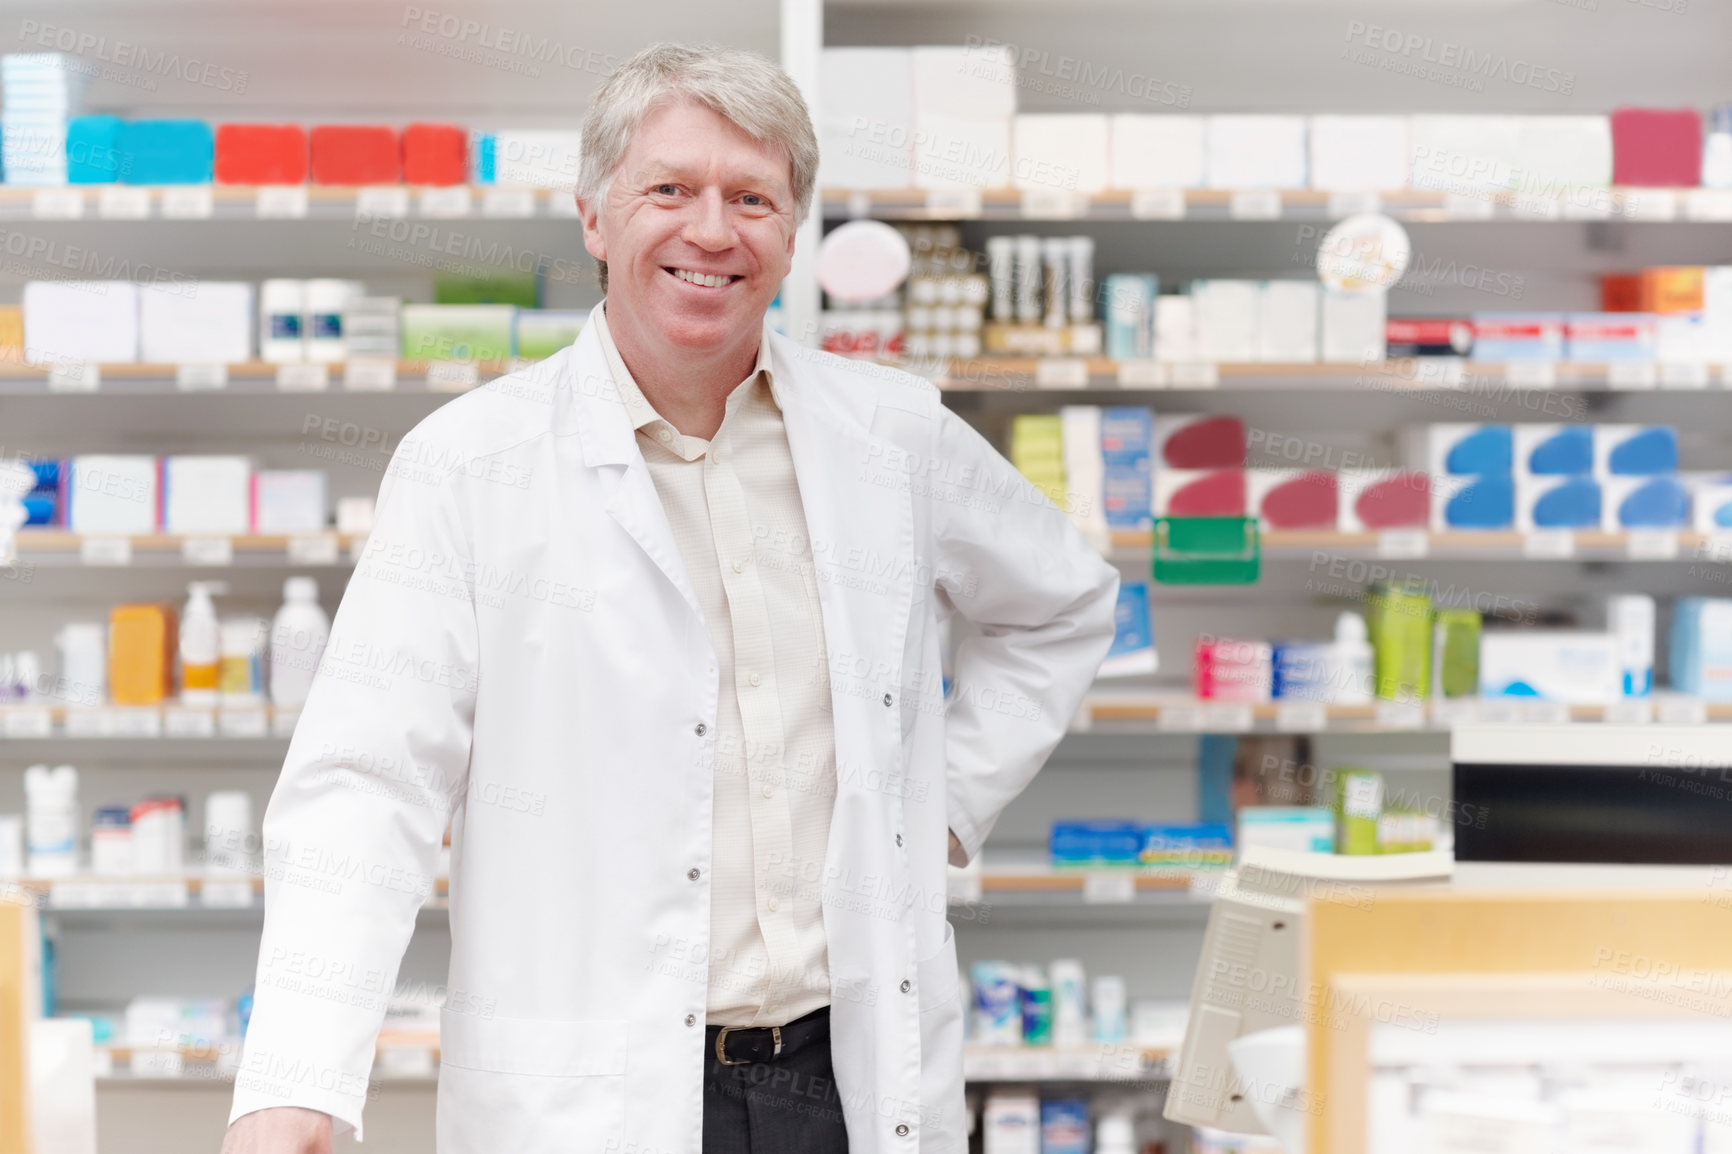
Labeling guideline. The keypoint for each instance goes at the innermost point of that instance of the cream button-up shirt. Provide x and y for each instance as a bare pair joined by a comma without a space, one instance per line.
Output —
734,507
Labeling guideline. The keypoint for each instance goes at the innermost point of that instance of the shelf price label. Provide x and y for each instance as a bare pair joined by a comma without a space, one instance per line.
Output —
1630,711
1158,204
1194,374
303,378
1061,373
57,203
1651,545
382,200
1400,715
195,377
280,202
1447,712
370,374
1345,204
1714,204
1650,204
1466,206
243,722
27,721
954,203
1142,374
226,895
123,202
1109,887
1301,717
105,551
1681,710
1531,374
1632,375
508,203
312,549
1052,204
1683,375
74,377
1181,718
1403,544
188,721
1543,712
446,203
1537,206
452,376
1549,544
187,202
1254,204
215,551
1227,717
859,205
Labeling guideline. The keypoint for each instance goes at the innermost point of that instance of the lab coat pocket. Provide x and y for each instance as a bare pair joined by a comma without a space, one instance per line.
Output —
937,975
530,1085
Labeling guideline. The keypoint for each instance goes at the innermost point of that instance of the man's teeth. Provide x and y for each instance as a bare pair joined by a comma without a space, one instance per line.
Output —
704,279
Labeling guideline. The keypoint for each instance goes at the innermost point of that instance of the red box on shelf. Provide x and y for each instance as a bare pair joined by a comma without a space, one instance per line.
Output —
435,154
261,154
356,154
1657,147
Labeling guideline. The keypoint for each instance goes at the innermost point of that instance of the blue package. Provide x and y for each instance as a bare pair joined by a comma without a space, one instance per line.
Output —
166,152
1127,438
1701,653
1648,503
1609,336
1546,450
1197,846
1104,842
1064,1126
41,509
1488,449
1518,336
1635,450
1562,503
485,158
1131,632
1301,671
93,149
47,472
1482,503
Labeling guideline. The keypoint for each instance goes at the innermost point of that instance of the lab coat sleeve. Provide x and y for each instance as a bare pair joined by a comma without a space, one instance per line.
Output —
1041,602
352,834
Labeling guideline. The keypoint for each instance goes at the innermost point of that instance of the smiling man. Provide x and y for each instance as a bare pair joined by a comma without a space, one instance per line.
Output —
655,626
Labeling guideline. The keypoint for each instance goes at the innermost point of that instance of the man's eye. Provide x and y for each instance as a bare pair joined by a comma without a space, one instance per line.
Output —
754,200
667,189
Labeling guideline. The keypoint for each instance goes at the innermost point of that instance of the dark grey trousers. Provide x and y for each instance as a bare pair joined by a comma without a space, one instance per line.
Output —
786,1104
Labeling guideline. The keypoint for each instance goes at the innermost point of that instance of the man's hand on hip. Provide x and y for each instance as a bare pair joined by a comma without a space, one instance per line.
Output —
279,1130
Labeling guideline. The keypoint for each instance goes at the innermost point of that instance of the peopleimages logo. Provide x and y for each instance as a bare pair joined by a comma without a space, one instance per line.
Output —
1472,63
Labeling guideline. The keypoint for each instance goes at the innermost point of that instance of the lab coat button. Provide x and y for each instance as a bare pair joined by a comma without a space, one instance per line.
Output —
907,985
701,729
898,839
691,1019
692,874
902,1129
887,700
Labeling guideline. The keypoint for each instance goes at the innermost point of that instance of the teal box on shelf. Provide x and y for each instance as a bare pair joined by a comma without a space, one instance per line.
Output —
166,152
93,149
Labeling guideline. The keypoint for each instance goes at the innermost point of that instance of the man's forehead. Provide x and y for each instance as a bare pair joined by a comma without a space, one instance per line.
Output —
661,161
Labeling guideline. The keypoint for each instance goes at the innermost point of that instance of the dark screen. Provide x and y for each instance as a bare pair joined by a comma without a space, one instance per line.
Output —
1625,814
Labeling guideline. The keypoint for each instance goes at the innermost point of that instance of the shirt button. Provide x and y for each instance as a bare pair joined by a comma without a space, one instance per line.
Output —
739,566
716,456
774,905
902,1129
691,1019
756,680
701,729
887,700
769,791
692,873
664,436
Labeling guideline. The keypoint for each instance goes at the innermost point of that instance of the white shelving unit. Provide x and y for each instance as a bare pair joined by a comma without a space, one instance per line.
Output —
1133,751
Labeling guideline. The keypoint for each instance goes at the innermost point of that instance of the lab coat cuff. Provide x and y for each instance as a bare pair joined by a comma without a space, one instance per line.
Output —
345,1112
966,833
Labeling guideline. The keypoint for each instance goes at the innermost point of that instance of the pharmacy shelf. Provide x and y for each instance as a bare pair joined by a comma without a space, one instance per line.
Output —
405,1063
53,547
330,203
1684,205
252,378
172,722
1184,714
1485,380
201,898
1134,548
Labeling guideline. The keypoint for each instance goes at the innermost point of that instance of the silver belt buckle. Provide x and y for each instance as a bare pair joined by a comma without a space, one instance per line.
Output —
722,1038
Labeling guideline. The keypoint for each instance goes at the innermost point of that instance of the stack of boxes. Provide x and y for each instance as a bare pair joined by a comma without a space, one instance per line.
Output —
38,91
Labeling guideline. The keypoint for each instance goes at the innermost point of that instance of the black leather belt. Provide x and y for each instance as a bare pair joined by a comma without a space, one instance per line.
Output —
740,1045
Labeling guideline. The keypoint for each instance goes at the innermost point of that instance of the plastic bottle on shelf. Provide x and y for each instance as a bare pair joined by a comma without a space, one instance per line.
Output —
298,636
1350,675
51,820
1115,1133
241,676
200,644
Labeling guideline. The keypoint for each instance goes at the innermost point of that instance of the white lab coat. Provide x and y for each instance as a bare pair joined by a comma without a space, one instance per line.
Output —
520,652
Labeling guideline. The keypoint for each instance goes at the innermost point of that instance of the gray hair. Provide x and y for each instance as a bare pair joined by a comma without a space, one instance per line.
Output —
742,87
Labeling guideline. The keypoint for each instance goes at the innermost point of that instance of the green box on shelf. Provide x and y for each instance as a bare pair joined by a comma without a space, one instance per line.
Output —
1206,551
520,289
457,332
543,332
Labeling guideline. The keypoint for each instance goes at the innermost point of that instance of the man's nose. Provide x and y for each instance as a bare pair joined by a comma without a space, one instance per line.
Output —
708,226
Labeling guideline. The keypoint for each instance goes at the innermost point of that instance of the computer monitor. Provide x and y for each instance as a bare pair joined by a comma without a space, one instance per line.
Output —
1249,980
1606,794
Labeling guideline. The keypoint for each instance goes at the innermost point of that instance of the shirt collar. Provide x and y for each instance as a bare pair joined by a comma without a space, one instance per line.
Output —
643,415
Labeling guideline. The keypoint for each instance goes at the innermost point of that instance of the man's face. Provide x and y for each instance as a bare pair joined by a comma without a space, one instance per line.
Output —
693,195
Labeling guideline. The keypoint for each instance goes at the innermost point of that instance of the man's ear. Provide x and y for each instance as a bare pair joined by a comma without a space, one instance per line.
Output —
590,213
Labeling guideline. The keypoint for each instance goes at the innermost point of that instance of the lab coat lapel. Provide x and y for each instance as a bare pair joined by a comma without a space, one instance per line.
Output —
610,446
